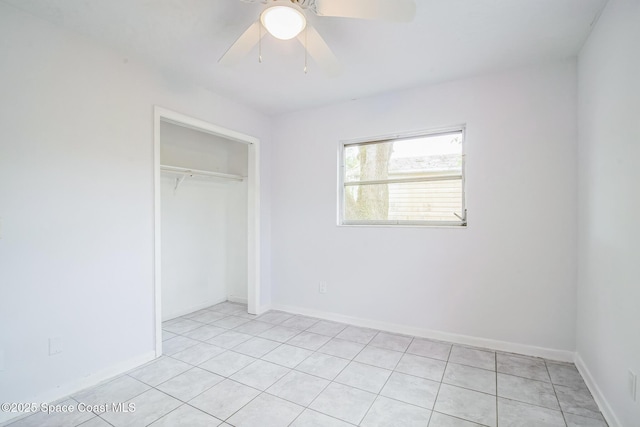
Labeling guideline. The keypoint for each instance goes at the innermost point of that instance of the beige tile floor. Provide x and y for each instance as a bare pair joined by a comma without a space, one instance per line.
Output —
223,367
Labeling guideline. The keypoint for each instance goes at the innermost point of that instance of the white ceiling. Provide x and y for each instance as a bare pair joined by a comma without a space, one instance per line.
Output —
448,39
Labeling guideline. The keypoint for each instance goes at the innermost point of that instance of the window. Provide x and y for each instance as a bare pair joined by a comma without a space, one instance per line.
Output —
404,180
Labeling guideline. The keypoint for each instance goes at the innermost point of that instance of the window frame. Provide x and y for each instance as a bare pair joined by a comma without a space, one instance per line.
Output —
342,144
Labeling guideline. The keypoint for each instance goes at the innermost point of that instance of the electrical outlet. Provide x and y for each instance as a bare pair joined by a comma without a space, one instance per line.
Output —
633,385
55,345
322,287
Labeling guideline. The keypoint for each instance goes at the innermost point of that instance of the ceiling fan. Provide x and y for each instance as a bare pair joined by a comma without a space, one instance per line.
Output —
286,19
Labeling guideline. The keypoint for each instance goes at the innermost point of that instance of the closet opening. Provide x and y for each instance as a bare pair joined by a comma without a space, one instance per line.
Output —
206,181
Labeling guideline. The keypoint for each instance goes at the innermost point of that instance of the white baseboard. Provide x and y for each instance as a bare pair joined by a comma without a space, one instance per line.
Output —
80,384
264,308
191,309
239,300
529,350
597,394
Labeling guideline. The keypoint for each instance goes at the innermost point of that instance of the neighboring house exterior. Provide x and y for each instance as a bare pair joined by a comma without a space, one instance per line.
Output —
427,200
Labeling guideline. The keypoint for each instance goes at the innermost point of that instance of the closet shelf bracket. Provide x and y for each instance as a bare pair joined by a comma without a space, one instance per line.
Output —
179,181
184,173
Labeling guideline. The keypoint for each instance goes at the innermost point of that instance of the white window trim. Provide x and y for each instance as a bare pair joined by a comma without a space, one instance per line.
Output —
341,222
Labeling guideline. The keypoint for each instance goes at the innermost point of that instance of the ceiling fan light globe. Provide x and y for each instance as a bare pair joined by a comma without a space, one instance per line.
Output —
283,22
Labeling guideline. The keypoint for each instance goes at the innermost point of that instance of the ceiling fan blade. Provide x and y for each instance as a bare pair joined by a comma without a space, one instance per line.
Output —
385,10
243,45
320,51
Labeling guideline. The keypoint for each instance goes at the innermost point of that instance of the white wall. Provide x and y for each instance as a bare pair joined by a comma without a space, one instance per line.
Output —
509,276
194,257
76,202
204,222
608,327
236,242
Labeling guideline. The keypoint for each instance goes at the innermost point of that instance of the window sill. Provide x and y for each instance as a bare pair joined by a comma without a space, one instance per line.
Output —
457,226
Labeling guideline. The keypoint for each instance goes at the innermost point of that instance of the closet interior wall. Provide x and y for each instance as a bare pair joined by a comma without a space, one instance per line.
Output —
203,221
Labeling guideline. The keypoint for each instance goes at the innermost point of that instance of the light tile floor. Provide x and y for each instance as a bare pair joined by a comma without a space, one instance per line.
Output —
224,367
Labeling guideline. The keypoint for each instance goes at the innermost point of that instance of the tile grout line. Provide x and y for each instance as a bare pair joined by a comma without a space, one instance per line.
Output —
446,364
497,408
265,392
581,390
330,382
182,402
318,350
191,368
133,397
204,391
167,414
84,422
385,383
261,392
555,393
235,313
333,381
404,352
392,370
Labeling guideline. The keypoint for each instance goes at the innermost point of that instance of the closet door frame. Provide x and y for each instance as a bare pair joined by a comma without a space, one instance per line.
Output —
253,208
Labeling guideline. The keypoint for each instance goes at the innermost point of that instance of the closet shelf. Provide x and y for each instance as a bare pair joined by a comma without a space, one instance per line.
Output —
186,172
197,172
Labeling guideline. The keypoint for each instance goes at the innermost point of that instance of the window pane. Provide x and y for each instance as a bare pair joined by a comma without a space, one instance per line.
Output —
367,162
425,156
411,201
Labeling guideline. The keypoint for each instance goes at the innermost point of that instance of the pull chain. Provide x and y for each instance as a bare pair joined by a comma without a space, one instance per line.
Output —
260,43
306,50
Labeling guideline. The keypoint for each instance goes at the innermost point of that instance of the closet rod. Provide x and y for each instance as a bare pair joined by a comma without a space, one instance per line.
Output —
196,172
